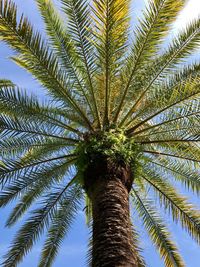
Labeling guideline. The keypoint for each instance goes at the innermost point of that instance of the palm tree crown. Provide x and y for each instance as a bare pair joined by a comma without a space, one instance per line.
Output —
110,93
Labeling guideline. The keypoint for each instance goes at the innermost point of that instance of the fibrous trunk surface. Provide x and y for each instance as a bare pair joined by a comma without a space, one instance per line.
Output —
108,186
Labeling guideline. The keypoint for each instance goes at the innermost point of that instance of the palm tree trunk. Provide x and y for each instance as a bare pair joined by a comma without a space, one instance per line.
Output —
108,186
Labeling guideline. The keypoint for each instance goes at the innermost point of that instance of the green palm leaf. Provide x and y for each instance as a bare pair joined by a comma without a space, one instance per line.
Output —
185,43
157,230
64,47
34,227
148,38
45,181
177,205
15,102
61,222
34,52
39,178
79,28
111,20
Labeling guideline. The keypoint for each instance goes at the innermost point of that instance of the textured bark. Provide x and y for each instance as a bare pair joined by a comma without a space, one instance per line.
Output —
108,186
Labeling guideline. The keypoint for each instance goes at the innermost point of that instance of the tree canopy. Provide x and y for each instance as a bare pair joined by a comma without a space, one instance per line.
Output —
109,90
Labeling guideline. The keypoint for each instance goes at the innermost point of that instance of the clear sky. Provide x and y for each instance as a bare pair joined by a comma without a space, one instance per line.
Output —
74,249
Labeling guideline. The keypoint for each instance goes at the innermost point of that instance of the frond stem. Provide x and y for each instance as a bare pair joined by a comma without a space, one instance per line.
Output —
158,74
70,99
168,141
131,130
169,199
169,155
135,66
41,133
38,163
166,122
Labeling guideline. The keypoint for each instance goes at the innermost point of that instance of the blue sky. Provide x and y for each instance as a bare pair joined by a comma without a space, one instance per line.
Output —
74,249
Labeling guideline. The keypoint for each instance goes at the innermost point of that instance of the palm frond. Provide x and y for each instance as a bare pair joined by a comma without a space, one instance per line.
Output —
35,55
45,180
179,208
64,48
34,227
111,25
16,102
182,171
79,28
176,156
60,226
157,230
22,185
191,139
184,150
137,249
158,15
179,48
170,87
188,114
11,126
5,83
173,99
13,147
13,169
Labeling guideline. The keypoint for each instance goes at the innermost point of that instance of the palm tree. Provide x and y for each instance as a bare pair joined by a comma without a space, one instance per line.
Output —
119,128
